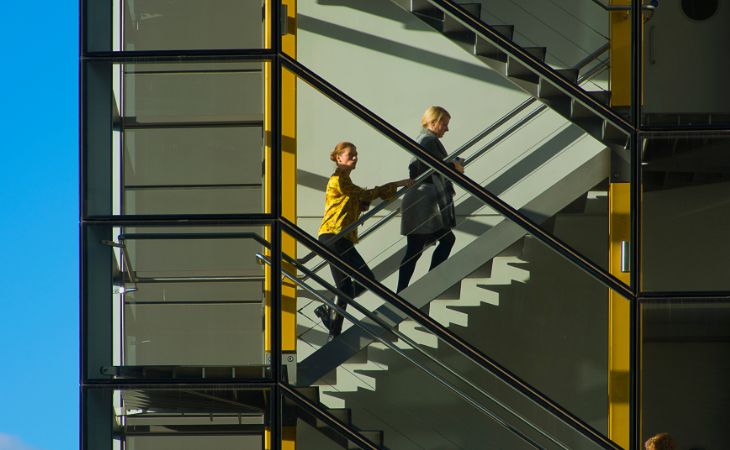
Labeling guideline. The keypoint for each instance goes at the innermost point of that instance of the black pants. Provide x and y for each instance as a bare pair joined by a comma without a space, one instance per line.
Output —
415,245
345,249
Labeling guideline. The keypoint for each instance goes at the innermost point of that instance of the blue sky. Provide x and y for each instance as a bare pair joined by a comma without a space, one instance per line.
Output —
39,226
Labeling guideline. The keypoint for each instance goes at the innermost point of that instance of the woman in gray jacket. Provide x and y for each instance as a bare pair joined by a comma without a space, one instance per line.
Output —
428,210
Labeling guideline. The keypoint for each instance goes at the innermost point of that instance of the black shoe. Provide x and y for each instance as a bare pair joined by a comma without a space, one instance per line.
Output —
323,312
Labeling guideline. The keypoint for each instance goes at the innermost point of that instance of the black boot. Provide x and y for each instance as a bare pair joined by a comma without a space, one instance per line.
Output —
323,312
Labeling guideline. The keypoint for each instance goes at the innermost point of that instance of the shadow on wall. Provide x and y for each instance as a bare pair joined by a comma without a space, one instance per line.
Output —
385,9
402,51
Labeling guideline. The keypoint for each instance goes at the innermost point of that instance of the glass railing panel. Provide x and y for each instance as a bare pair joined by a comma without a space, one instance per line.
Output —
685,347
685,185
368,388
501,289
174,138
129,25
310,432
538,163
174,418
407,375
697,95
174,302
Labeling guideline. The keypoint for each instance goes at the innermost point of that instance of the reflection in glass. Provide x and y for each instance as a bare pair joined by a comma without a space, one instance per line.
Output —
175,138
179,419
182,302
685,362
695,93
686,187
191,24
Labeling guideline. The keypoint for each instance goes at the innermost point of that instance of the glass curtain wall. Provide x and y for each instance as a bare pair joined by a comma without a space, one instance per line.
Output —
186,150
684,130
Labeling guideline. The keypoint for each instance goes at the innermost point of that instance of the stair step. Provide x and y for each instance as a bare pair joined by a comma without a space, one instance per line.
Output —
423,8
344,415
580,111
459,34
517,69
614,135
486,48
434,22
474,9
311,393
376,437
561,104
527,85
547,89
592,125
602,96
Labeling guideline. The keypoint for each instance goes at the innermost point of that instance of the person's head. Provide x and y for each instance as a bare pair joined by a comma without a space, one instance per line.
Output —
436,119
345,155
661,441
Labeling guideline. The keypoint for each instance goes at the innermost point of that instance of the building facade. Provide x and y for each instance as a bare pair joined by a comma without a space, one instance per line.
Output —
584,304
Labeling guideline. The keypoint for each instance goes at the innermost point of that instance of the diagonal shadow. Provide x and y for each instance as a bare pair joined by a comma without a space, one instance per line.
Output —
548,150
402,51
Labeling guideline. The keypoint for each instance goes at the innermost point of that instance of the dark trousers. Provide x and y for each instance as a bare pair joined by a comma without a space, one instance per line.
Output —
415,243
345,249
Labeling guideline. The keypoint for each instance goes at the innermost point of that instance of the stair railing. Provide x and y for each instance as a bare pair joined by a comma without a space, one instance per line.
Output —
459,179
394,330
328,418
470,143
454,341
538,67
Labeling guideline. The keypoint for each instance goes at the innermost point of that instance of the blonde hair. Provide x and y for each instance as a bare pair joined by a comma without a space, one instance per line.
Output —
433,115
661,441
340,149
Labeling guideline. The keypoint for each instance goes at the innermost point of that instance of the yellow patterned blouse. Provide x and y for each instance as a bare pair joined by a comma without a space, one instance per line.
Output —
342,203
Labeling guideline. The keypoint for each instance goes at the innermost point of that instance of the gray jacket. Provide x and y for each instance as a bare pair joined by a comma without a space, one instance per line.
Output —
429,207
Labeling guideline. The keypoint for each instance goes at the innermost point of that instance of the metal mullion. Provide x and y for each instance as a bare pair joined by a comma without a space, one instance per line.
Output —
183,220
663,132
275,89
172,384
635,306
136,56
678,296
636,74
686,129
254,384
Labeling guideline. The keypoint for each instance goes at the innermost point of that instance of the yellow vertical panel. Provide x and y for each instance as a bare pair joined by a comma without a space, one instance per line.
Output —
288,438
620,54
289,177
289,180
619,229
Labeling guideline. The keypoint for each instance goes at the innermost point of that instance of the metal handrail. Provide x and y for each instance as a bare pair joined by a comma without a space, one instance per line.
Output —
459,179
470,143
446,335
533,64
374,317
325,416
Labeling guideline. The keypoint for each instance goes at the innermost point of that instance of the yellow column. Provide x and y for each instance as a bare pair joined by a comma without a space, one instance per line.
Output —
620,54
288,197
288,438
288,177
619,228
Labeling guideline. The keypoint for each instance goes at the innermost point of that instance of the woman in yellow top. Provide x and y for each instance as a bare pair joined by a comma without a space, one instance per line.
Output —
344,201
